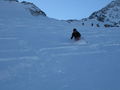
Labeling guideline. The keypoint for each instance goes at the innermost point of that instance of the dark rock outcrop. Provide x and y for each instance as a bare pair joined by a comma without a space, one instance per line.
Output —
110,13
34,10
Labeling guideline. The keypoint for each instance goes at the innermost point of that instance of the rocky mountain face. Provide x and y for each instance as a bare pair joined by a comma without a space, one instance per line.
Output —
109,14
33,9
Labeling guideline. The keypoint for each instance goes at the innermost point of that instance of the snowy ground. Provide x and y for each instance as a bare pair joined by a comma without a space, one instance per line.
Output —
36,53
39,55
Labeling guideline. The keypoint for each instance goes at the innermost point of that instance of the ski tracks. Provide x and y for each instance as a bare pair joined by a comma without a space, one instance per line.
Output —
67,49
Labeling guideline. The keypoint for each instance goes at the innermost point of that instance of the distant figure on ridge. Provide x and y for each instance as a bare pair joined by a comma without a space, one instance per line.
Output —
76,34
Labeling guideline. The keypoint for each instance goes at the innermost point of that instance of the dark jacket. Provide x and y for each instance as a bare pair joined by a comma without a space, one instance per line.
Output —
76,35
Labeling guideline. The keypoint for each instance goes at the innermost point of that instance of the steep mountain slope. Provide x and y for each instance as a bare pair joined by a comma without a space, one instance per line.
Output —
15,8
108,16
34,10
36,53
110,13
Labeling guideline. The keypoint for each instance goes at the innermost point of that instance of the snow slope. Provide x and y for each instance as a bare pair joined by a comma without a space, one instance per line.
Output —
36,53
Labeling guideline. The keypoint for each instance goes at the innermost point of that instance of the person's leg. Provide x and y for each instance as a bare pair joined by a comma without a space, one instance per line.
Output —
77,38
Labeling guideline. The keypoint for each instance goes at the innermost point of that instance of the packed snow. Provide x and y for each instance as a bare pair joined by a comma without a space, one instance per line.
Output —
36,53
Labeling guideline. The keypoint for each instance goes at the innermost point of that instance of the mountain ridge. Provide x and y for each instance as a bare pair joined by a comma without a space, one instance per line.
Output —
28,6
108,16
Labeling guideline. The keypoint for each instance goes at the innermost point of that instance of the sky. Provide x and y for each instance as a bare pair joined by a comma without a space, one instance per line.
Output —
69,9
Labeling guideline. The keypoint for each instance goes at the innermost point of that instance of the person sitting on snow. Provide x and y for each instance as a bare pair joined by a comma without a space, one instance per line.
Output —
76,34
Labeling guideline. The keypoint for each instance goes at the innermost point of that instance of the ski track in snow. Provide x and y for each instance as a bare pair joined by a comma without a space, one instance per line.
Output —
35,53
64,48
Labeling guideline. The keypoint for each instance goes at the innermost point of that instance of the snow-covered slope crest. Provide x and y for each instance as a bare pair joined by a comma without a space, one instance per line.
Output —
14,8
34,10
109,14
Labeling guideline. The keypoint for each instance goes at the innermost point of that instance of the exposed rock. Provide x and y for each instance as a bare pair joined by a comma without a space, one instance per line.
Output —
34,10
110,13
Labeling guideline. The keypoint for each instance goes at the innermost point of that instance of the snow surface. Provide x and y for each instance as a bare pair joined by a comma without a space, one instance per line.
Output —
36,53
